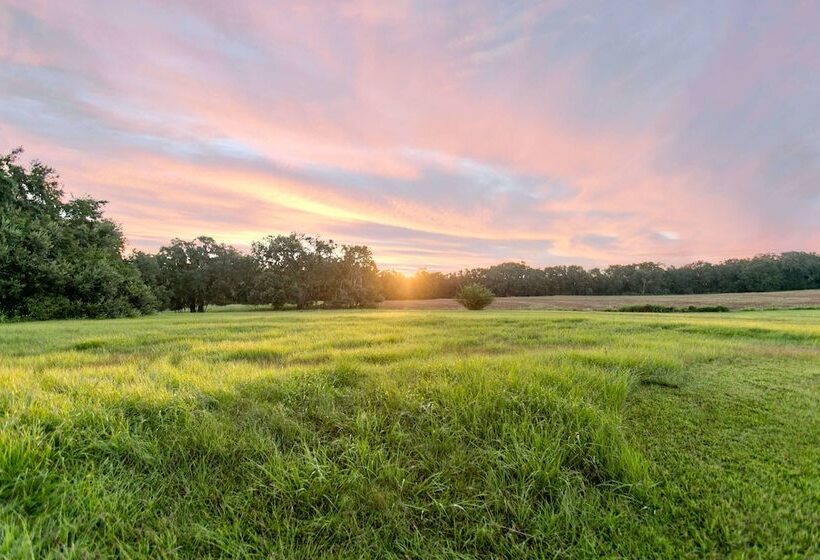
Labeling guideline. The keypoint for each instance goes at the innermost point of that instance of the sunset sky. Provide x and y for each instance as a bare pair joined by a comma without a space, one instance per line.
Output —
441,134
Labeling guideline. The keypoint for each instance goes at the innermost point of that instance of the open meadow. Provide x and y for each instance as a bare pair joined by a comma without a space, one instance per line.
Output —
412,434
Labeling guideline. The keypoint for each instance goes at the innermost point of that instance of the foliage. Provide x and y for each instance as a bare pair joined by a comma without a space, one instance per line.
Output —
474,296
422,285
787,271
306,271
60,259
652,308
356,278
281,270
194,274
417,435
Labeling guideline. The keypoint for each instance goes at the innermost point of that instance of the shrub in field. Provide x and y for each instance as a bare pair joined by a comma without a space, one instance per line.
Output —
651,308
708,309
646,308
474,296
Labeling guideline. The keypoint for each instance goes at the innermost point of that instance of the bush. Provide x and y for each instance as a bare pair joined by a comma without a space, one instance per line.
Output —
650,308
708,309
474,296
646,308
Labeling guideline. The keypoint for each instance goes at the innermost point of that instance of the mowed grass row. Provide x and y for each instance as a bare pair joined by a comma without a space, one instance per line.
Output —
412,434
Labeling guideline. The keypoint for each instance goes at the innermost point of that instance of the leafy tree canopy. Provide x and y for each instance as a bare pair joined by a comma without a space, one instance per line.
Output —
60,259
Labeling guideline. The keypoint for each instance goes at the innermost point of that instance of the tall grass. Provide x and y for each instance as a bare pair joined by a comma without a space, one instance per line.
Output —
372,434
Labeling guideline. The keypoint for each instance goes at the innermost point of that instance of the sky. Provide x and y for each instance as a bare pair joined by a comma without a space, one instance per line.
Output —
443,135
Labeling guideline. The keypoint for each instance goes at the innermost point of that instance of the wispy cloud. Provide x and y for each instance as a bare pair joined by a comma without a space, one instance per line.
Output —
442,136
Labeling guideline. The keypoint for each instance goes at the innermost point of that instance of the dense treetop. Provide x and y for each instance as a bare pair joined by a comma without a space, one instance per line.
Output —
62,259
281,270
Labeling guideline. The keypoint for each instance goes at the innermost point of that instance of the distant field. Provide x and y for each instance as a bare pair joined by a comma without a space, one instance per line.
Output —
756,300
412,434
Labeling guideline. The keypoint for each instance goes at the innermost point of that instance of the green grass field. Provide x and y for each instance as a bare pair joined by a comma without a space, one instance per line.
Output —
412,434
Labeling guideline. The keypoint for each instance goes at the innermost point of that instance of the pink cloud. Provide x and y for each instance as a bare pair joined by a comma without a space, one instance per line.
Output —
467,127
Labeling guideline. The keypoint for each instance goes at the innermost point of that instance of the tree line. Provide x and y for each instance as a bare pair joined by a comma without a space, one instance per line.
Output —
763,273
61,259
281,270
